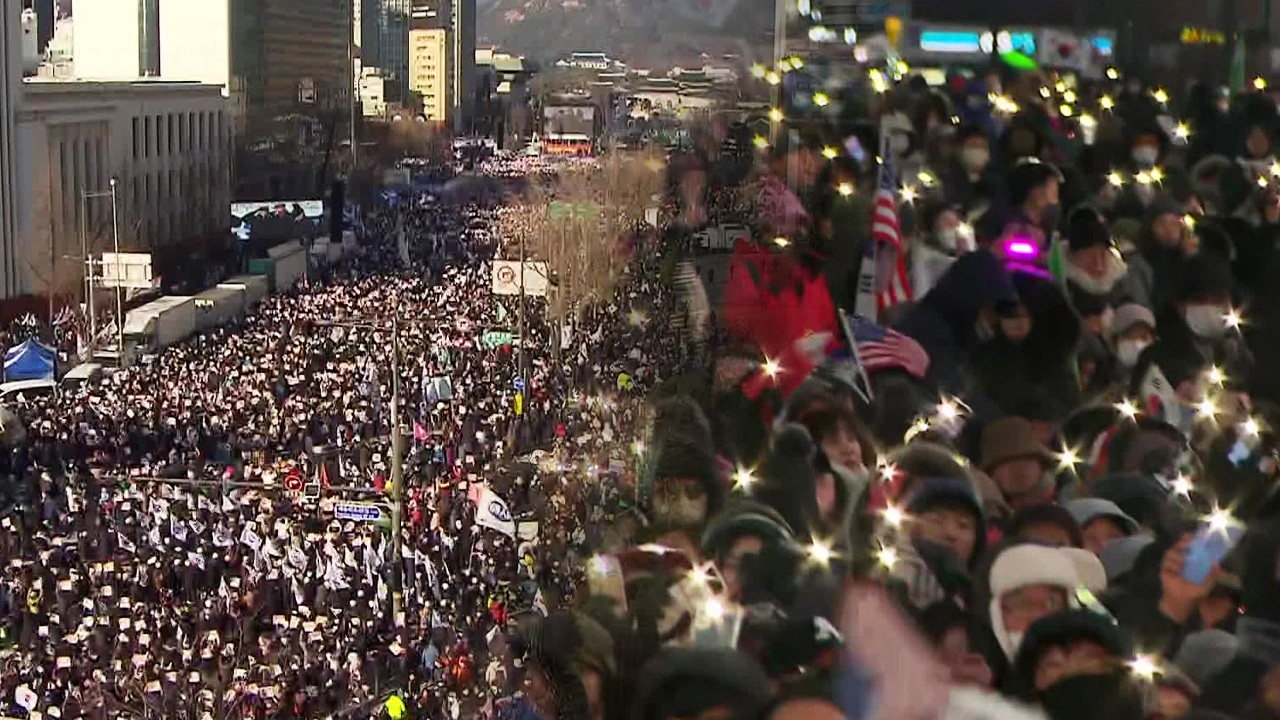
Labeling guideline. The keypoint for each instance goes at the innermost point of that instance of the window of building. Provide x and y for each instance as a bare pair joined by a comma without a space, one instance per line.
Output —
146,136
159,136
169,133
135,138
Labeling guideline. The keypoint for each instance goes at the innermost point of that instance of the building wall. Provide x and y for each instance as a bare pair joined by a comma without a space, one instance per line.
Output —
10,89
168,144
385,43
195,40
429,71
106,39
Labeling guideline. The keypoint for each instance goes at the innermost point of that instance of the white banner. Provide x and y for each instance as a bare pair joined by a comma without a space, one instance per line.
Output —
507,281
492,512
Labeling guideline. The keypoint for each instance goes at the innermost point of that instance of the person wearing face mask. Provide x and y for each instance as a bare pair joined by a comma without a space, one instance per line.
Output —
1200,318
969,181
1028,582
1133,329
947,237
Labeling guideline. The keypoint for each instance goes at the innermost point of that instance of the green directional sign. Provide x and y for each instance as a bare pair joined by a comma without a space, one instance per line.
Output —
496,338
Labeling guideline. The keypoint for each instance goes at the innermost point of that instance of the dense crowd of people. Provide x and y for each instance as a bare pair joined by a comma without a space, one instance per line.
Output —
980,424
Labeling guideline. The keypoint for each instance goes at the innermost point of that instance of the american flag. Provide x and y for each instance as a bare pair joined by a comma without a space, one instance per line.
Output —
886,229
880,348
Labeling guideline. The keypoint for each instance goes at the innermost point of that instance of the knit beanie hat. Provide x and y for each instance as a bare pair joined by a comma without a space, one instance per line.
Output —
1086,510
1067,627
1087,229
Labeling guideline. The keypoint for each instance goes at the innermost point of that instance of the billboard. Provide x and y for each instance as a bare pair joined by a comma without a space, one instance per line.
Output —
276,220
561,119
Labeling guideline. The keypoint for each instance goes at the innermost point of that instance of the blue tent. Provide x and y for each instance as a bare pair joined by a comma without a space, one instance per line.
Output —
29,361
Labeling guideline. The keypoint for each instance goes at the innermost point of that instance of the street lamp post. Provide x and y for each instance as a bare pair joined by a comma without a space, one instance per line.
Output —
89,276
115,234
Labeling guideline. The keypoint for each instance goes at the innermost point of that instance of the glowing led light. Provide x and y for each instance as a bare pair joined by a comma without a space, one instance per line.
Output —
1115,178
1106,103
771,368
1143,177
1233,319
1068,458
743,479
1182,486
638,447
878,81
1182,132
888,557
760,142
1044,92
1189,220
829,152
1219,520
1069,96
1127,408
820,552
1060,86
893,516
699,576
1251,427
948,409
887,472
1262,181
908,193
797,63
1259,83
1144,667
1160,95
1216,376
1274,169
821,99
902,67
1087,121
775,115
845,189
781,241
926,178
1206,409
1156,174
1066,110
714,609
772,77
758,71
1113,74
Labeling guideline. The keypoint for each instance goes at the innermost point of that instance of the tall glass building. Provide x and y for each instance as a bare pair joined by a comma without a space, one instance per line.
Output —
384,43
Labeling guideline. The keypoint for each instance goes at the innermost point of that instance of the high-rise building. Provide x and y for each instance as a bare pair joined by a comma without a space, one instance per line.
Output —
463,70
275,58
10,93
429,74
45,18
384,43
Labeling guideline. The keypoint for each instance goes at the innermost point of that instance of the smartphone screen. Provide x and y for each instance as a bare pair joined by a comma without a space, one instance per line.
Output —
1208,547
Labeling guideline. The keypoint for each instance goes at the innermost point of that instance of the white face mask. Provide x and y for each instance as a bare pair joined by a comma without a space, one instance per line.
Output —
947,238
1127,351
680,512
974,159
1206,321
1145,155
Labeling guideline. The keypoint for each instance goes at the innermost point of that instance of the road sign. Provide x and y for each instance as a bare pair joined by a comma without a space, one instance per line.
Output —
359,512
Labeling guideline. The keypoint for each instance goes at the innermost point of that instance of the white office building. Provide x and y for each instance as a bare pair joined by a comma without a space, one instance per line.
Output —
168,143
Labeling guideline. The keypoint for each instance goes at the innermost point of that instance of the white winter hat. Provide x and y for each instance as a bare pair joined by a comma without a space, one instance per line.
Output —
1021,566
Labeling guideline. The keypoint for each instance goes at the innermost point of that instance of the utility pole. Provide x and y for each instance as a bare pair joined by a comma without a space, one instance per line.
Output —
115,233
